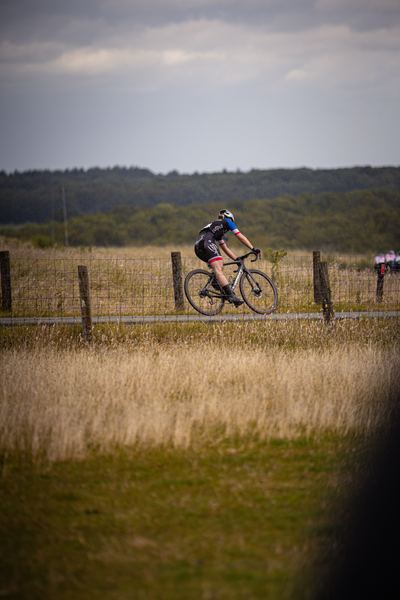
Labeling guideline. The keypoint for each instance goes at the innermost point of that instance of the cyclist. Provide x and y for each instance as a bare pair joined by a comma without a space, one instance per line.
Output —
207,250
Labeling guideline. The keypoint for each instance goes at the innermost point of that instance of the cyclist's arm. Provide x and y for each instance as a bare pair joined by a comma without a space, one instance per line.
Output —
242,238
228,252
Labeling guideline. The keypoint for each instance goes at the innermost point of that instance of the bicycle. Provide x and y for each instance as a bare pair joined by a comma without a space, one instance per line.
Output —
206,296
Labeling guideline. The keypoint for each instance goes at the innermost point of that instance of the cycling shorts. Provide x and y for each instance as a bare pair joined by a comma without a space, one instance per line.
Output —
206,249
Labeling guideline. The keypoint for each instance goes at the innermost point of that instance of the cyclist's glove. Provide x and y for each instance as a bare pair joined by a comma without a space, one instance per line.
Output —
257,251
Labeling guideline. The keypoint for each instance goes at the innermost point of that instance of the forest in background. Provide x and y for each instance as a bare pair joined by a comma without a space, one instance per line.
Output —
357,221
34,196
351,210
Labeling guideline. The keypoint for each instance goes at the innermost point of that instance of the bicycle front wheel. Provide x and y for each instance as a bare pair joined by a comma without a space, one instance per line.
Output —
200,293
258,291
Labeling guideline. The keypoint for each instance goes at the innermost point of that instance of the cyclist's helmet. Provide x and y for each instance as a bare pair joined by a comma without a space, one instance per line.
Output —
227,213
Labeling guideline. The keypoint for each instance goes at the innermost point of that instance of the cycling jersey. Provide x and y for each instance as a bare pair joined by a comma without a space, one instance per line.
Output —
220,228
206,249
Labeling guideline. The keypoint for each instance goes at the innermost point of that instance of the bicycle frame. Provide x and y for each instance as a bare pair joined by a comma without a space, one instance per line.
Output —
241,269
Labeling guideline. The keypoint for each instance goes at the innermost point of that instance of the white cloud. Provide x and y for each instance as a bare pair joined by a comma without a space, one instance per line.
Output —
337,58
216,53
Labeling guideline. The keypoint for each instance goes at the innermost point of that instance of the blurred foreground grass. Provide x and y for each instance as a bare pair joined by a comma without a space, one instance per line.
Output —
229,517
236,520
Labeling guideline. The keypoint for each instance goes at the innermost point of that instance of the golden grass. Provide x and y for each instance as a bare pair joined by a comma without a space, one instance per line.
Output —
138,281
27,250
59,405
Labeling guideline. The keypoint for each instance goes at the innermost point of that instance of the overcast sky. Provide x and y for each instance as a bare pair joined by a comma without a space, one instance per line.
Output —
199,85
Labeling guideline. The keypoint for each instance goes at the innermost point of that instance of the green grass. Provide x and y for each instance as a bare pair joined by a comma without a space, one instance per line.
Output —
382,331
238,520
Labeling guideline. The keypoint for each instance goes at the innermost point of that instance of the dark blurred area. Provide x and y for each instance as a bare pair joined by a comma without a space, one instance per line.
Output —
369,563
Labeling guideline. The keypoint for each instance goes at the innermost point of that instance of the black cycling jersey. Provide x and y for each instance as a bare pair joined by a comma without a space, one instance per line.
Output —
220,228
206,248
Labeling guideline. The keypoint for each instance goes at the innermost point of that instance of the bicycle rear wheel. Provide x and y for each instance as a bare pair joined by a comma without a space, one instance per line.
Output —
258,291
201,294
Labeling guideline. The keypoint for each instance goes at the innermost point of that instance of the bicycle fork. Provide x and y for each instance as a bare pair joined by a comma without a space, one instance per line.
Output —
255,288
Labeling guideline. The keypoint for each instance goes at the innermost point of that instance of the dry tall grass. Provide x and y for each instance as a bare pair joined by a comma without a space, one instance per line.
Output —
59,405
139,282
27,250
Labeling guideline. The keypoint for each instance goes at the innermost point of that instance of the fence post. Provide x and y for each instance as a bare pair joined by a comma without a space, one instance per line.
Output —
5,280
85,303
325,290
379,285
317,286
177,279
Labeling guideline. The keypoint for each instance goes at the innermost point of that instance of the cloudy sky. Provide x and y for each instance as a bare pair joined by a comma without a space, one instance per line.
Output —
199,85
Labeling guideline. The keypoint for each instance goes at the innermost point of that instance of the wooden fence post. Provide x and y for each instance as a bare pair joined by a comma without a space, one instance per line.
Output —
317,286
5,280
379,285
326,294
177,279
85,303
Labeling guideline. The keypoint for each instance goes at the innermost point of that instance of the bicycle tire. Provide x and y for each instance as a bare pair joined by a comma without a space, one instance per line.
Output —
195,281
264,301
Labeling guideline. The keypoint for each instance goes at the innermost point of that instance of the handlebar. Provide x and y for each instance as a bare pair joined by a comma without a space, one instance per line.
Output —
247,255
242,258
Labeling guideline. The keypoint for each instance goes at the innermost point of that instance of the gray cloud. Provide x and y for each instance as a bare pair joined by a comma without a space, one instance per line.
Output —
183,64
33,20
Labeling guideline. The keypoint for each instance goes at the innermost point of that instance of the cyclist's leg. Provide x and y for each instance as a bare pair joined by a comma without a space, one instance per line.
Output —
217,266
204,254
207,247
199,249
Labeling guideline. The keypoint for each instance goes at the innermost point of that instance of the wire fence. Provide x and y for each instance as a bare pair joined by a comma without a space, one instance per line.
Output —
41,288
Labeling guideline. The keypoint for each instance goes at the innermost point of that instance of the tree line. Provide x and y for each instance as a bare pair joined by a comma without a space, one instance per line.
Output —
355,221
34,196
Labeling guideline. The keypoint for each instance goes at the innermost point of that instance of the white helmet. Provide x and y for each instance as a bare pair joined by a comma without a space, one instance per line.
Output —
227,214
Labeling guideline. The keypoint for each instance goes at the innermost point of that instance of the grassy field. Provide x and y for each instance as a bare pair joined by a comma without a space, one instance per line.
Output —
236,520
58,405
187,461
138,281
